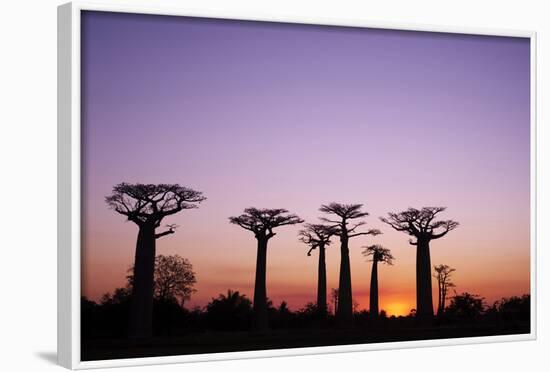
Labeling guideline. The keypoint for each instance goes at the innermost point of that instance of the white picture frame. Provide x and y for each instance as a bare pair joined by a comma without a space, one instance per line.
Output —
69,172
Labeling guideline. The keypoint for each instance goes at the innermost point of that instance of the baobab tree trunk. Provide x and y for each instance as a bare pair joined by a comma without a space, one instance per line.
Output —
373,306
322,283
443,296
440,298
141,314
344,314
424,305
260,296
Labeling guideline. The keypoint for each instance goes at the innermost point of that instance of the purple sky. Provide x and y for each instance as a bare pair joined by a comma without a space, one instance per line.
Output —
293,116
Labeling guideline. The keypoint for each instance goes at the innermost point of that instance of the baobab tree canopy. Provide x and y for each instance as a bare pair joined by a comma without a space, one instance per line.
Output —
378,253
316,235
262,221
346,212
420,223
142,203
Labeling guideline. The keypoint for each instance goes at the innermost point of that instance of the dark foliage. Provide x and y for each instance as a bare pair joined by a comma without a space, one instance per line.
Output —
230,312
225,325
465,307
511,309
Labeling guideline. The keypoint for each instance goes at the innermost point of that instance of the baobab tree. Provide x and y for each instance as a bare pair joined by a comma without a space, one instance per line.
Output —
334,299
318,236
345,229
421,224
147,205
443,276
261,222
377,254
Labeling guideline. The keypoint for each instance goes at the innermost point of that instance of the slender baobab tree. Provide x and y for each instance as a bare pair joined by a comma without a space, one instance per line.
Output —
345,230
377,254
318,236
147,205
443,275
334,299
421,224
262,222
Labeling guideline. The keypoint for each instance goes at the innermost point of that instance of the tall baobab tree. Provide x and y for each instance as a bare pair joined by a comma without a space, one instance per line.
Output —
262,222
443,275
318,236
421,224
345,230
147,205
377,254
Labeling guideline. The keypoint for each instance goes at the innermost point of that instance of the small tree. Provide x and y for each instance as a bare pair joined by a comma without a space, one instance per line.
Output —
443,276
345,230
421,224
376,253
173,280
318,236
261,222
229,312
147,205
466,306
514,308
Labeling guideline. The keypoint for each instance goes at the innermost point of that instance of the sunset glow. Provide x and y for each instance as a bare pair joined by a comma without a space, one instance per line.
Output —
298,116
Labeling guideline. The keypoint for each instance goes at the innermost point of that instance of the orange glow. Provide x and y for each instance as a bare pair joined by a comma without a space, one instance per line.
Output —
398,308
492,265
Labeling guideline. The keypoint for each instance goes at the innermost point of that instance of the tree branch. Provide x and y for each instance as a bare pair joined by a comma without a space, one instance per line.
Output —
171,230
372,232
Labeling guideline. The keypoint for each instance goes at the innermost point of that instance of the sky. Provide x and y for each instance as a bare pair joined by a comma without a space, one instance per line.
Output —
294,116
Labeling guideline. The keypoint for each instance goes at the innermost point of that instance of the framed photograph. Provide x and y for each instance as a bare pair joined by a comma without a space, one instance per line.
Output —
243,185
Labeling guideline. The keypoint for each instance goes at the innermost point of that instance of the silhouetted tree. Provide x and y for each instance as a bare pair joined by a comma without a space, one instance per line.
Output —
229,312
174,279
377,254
443,276
262,222
308,315
113,313
421,225
120,295
466,306
318,236
514,308
147,205
283,316
346,213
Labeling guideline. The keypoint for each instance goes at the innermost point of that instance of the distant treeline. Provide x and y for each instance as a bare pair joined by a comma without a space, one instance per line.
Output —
233,311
